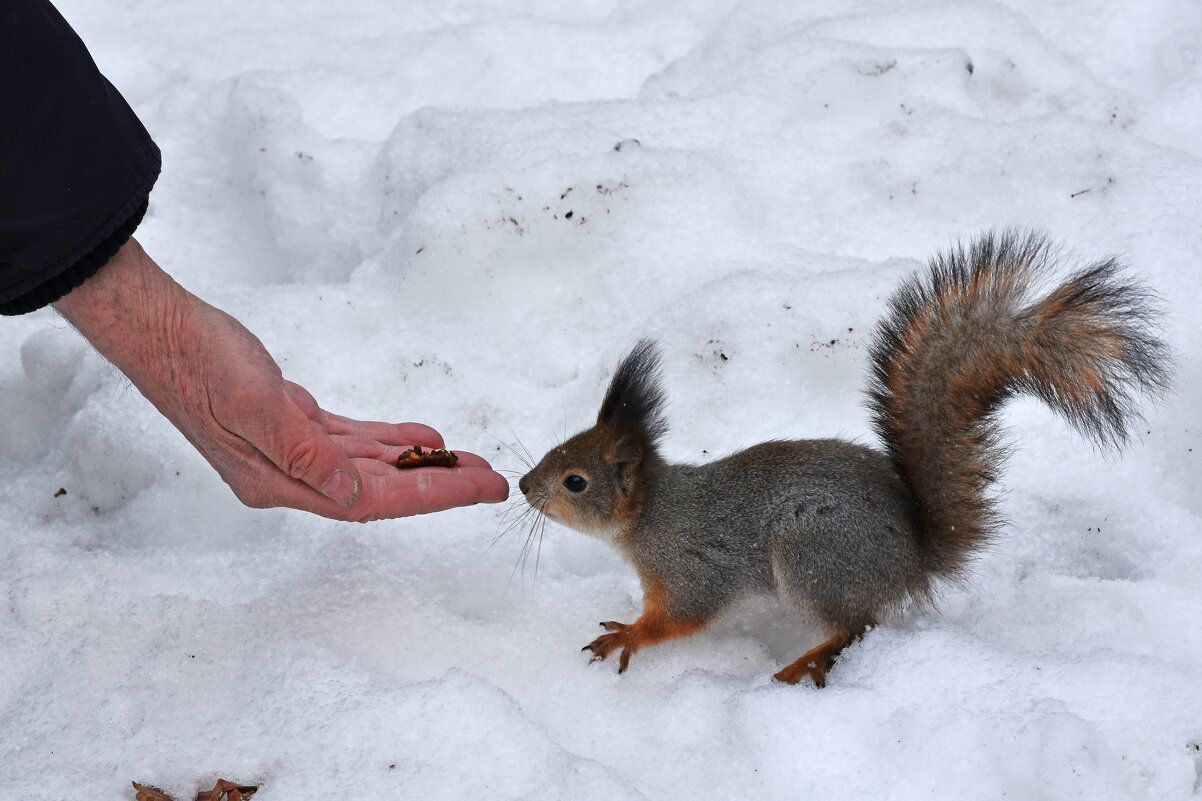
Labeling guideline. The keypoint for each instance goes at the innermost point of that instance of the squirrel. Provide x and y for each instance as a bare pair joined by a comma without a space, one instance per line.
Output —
843,533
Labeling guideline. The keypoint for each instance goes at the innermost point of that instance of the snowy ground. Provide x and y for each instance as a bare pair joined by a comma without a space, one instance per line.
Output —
423,210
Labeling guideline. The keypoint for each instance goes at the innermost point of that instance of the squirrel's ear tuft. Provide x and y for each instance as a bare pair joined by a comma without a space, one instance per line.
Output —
635,399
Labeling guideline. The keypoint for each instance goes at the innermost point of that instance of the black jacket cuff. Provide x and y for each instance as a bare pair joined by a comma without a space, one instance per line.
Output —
76,274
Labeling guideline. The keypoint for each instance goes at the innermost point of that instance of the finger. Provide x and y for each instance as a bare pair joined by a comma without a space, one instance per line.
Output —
304,400
494,487
388,433
300,447
406,434
466,459
364,448
395,494
433,489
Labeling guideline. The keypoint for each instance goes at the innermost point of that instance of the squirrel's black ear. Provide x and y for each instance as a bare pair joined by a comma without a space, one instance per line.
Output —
635,399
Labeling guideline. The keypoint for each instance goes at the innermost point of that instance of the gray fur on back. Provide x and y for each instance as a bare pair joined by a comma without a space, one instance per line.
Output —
817,516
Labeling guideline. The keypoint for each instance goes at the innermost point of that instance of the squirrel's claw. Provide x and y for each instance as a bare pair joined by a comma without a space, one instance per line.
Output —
652,627
606,644
596,656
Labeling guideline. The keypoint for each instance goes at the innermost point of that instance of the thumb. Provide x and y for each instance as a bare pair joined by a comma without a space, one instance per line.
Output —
301,448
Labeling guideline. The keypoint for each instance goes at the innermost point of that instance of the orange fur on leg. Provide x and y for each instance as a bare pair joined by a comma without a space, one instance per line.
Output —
653,626
817,661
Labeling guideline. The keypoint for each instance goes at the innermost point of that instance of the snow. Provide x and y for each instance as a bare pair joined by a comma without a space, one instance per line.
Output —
381,191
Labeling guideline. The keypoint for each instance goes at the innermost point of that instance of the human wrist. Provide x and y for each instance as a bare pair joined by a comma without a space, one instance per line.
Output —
131,312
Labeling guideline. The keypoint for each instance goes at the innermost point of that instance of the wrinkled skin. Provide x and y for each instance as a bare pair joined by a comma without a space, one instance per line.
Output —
266,436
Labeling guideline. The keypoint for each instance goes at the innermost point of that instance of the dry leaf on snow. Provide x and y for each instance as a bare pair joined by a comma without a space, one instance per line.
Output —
222,791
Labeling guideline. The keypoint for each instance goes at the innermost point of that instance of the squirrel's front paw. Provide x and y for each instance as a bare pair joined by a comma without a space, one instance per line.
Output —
620,636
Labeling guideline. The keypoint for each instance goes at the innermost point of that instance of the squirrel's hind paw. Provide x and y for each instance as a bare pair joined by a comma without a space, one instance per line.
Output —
815,669
817,661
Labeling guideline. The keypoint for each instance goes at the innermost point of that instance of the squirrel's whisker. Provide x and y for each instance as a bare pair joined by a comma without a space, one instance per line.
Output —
836,529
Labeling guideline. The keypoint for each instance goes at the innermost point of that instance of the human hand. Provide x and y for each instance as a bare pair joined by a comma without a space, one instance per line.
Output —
266,437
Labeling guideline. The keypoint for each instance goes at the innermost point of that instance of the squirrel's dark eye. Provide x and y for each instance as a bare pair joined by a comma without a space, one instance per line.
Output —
575,483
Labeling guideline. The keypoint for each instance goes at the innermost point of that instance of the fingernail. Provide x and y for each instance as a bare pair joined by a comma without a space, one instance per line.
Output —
341,488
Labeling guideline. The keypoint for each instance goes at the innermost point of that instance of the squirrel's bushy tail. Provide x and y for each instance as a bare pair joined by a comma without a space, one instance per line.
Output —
973,331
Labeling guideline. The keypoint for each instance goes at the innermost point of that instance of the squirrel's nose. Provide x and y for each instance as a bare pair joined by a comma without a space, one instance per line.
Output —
524,483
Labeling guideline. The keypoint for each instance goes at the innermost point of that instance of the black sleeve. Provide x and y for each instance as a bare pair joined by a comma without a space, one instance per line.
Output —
76,164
